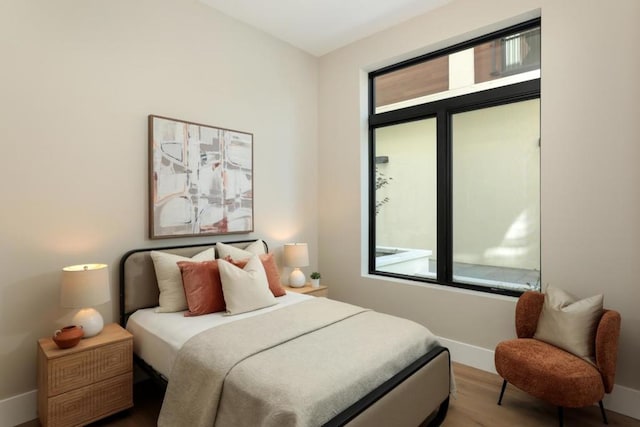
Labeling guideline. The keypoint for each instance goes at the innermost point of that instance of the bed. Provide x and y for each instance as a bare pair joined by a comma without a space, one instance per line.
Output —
296,363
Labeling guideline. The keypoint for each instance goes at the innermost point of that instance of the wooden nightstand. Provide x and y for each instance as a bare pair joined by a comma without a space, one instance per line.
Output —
320,291
87,382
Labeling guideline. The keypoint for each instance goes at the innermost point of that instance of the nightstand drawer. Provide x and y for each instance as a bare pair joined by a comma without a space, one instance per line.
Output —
69,408
92,402
69,373
113,395
113,360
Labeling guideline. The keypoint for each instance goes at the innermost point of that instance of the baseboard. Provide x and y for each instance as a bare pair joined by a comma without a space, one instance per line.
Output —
19,409
623,400
470,355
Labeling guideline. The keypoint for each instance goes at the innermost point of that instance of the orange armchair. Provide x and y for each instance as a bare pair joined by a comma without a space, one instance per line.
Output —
552,374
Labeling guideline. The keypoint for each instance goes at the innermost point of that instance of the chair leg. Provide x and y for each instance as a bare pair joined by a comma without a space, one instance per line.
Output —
604,414
504,386
561,415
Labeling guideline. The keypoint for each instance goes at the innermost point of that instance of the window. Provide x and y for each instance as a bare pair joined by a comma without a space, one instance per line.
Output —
455,165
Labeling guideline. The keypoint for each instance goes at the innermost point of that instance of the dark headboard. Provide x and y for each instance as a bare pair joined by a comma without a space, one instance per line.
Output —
138,284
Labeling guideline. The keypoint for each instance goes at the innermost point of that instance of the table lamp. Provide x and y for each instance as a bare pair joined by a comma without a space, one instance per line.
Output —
84,286
296,255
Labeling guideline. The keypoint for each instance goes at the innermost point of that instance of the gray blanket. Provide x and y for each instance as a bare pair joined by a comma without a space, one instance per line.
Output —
296,366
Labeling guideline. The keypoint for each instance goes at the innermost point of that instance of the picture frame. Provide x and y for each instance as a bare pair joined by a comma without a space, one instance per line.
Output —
200,179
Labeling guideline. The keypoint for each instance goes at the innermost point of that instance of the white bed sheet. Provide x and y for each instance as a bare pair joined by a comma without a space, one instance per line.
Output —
157,337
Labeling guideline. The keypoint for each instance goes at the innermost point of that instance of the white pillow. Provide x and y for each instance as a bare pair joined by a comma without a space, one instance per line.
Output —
245,289
568,323
225,250
169,278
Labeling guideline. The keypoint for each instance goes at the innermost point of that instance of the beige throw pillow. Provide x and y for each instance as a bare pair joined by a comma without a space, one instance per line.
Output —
568,323
245,289
172,297
225,250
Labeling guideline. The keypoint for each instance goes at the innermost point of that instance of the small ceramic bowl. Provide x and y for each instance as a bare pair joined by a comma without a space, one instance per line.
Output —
68,337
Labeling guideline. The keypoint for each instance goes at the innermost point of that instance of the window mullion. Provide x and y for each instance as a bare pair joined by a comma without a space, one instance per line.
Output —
371,259
444,197
371,262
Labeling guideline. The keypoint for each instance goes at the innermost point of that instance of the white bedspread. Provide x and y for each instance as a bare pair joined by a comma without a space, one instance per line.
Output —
157,337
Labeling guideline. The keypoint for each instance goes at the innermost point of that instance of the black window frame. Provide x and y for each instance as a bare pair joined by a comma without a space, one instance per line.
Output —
442,110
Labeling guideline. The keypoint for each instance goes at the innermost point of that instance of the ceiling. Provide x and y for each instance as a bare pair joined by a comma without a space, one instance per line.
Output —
320,26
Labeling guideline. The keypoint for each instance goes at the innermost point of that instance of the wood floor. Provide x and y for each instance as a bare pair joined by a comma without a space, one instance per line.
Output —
475,405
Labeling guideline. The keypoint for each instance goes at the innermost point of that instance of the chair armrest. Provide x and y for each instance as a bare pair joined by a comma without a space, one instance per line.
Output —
607,336
528,311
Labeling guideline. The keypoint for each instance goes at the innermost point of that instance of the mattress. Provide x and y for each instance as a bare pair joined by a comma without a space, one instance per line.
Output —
157,337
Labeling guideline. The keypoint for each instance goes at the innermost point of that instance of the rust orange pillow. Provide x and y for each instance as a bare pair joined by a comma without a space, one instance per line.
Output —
202,287
270,267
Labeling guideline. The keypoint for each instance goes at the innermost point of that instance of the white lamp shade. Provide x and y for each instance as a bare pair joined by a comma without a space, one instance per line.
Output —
84,285
296,255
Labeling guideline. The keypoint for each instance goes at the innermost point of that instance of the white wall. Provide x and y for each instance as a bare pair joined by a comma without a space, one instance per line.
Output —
496,186
77,81
590,203
408,219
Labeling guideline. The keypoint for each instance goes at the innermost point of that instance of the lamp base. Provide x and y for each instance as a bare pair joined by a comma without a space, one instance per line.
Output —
90,320
296,278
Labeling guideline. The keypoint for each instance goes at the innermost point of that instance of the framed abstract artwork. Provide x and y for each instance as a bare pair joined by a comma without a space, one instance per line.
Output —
200,179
